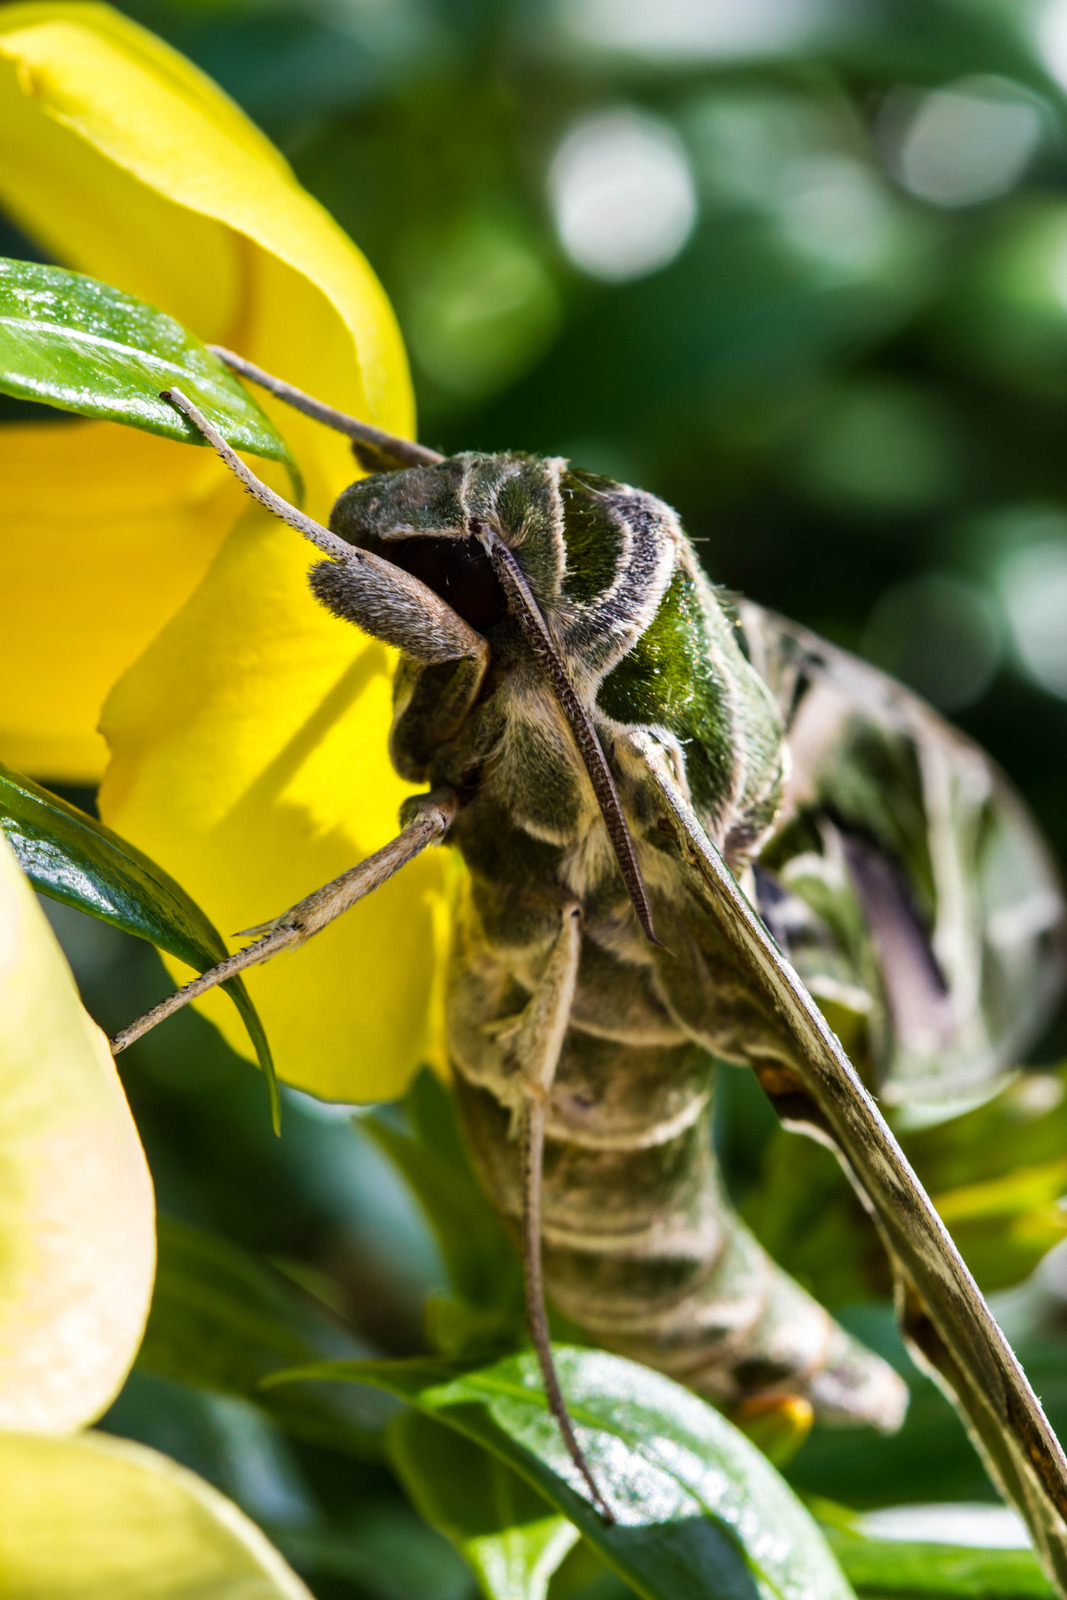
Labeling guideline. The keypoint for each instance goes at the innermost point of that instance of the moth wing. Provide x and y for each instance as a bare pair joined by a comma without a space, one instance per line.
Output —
904,867
815,1088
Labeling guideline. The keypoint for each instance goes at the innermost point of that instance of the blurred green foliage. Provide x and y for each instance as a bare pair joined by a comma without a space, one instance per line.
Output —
799,267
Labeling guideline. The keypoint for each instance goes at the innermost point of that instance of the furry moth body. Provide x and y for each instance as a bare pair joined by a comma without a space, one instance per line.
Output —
787,751
629,763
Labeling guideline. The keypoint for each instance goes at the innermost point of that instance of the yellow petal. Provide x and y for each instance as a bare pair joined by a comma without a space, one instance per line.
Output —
77,1241
249,741
106,532
249,759
128,164
95,1516
149,154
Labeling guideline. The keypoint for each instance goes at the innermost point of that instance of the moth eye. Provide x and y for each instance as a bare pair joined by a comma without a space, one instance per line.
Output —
458,570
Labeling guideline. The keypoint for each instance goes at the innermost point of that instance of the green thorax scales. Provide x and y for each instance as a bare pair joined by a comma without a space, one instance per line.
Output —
646,640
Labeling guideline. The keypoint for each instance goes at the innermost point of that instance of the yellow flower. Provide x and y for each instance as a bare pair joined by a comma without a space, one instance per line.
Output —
95,1515
77,1235
77,1260
246,727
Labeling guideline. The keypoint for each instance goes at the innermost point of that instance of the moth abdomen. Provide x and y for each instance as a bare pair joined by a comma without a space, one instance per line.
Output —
642,1248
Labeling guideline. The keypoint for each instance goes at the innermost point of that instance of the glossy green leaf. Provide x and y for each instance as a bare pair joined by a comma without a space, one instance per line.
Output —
69,856
508,1532
886,1568
223,1320
699,1512
85,347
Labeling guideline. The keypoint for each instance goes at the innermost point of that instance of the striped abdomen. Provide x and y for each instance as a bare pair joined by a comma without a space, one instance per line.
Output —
642,1249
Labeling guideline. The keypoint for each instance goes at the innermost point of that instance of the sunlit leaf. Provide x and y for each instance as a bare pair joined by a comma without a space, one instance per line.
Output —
86,347
69,856
698,1510
1004,1226
507,1531
94,1516
77,1244
890,1568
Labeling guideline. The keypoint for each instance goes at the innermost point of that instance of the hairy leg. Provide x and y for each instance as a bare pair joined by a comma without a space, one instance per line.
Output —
431,817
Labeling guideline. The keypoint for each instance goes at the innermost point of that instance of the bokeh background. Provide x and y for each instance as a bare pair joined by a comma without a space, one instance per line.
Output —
800,268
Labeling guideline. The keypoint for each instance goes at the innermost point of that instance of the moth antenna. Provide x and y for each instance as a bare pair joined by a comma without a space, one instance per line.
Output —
397,452
535,628
326,541
430,819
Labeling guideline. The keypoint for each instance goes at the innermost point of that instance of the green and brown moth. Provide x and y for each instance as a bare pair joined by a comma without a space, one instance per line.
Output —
693,833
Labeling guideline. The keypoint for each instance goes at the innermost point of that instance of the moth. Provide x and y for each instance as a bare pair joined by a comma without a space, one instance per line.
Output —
693,833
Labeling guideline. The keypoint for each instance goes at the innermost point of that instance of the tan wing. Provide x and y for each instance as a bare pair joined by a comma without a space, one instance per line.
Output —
904,865
947,1322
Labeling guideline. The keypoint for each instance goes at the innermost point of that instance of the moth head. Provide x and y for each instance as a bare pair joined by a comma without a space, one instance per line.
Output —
435,522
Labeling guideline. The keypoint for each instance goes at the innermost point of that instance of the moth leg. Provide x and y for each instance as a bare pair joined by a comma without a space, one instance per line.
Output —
534,1043
429,819
360,587
375,450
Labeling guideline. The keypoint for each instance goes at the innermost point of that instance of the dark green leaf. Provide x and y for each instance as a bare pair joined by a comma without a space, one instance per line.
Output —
507,1531
806,1214
69,856
885,1568
381,1550
85,347
699,1512
223,1320
482,1264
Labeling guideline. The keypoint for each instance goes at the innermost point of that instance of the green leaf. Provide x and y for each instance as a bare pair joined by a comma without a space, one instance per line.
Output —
481,1261
888,1568
507,1531
700,1514
223,1320
1004,1226
1024,1125
806,1215
85,347
69,856
380,1549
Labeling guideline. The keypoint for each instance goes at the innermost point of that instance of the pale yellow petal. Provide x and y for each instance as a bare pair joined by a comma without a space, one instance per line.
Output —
249,759
96,1517
77,1238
